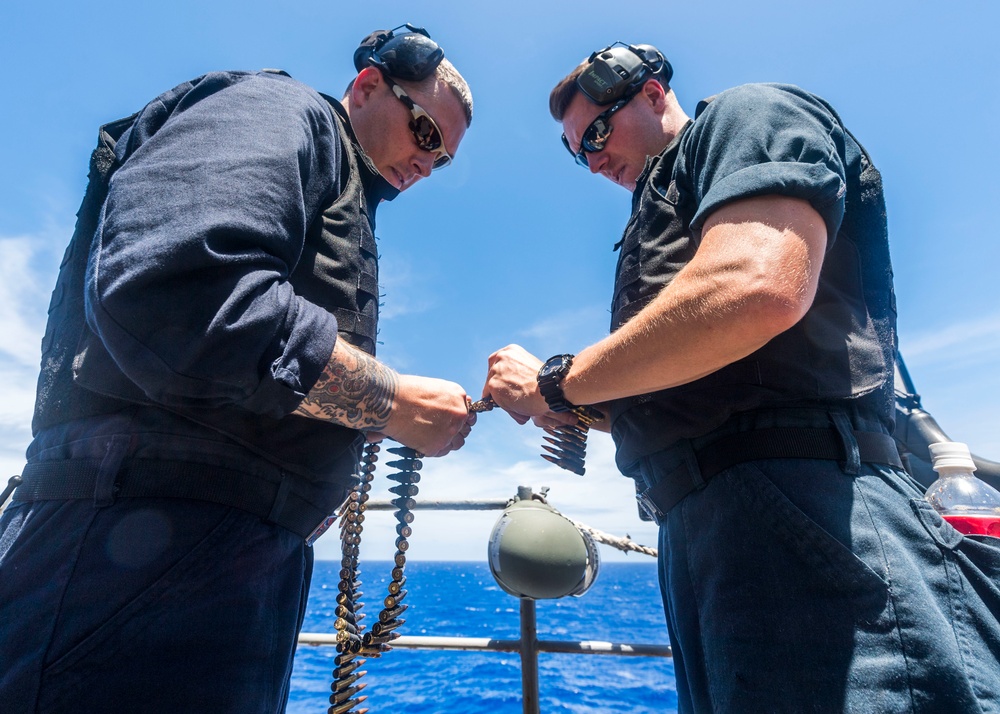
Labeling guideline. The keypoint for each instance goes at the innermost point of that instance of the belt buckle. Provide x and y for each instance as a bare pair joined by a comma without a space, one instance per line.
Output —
648,507
322,528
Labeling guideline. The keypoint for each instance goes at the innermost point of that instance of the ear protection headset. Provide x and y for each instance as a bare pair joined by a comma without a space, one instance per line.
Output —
410,55
620,69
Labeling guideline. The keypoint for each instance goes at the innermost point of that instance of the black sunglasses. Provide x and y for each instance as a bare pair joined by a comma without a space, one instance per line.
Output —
423,127
597,134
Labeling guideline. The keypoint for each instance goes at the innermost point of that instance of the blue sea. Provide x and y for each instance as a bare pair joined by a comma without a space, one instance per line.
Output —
461,599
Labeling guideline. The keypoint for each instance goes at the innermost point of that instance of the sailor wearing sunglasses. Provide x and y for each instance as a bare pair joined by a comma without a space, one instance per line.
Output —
208,380
748,381
408,121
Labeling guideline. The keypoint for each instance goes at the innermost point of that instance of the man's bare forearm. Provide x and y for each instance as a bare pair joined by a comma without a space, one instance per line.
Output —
355,390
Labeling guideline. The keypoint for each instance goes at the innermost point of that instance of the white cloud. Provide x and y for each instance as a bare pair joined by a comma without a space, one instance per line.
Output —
28,265
25,287
403,292
578,326
971,341
954,369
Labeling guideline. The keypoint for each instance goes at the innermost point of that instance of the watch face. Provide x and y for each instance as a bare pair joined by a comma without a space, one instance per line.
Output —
553,366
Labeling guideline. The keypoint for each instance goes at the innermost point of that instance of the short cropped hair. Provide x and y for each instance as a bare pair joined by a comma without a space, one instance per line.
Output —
564,92
446,73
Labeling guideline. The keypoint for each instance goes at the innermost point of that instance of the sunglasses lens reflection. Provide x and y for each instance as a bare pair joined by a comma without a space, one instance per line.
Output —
596,135
426,133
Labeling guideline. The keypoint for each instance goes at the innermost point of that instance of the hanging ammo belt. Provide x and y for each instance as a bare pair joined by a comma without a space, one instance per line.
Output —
567,446
353,643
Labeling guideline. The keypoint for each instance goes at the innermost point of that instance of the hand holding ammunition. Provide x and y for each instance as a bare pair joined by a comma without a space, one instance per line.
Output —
512,381
429,415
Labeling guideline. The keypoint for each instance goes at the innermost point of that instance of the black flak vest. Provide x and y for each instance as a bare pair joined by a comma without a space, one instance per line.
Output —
338,270
842,350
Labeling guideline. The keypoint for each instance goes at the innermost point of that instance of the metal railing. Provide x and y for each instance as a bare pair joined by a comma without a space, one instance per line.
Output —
528,646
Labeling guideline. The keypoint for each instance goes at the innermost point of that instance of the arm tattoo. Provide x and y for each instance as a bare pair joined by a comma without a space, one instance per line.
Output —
355,391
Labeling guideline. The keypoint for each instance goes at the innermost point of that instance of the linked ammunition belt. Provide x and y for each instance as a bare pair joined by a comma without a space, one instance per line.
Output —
353,642
566,447
567,443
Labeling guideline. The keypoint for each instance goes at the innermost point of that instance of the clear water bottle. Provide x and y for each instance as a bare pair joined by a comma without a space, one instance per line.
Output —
968,503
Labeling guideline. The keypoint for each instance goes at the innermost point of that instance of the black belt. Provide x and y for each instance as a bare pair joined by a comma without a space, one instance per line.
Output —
279,502
781,443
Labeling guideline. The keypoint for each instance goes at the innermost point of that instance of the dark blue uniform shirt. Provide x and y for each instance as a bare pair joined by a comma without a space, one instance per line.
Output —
187,283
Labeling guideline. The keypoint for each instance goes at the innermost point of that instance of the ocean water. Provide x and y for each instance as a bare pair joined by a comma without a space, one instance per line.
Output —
461,599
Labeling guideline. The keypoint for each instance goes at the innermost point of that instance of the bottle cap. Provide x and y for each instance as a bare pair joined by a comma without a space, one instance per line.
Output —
951,454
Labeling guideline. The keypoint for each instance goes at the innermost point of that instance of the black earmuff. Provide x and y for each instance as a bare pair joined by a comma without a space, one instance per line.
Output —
410,55
620,69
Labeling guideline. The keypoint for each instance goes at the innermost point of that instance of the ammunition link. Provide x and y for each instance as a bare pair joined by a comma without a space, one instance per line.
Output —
568,441
351,638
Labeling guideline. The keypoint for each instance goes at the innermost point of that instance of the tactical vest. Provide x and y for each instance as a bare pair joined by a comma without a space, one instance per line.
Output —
338,270
843,349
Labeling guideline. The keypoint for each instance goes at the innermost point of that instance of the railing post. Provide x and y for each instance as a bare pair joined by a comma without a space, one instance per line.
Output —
529,657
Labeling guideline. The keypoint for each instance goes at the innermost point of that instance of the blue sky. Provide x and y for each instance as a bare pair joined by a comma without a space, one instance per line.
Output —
513,242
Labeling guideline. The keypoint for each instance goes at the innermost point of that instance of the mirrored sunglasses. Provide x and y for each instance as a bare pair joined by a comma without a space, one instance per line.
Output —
425,130
596,134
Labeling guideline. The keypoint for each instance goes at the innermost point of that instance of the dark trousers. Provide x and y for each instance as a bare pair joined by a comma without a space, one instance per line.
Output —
147,605
795,585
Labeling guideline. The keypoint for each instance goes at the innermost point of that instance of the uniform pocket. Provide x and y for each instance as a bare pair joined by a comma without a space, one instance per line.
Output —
976,556
834,564
166,589
939,529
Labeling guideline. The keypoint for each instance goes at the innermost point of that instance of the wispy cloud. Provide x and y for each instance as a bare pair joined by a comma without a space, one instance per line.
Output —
28,265
955,371
577,326
404,292
973,340
27,274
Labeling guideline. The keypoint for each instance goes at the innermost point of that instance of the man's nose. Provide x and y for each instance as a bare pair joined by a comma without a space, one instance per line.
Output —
423,163
597,162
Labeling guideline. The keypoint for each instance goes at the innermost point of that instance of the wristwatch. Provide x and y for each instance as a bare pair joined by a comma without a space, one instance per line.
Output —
550,378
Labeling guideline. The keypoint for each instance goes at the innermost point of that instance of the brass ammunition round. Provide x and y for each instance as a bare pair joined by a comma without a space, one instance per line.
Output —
392,601
347,660
341,683
342,624
345,694
343,636
382,628
388,615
